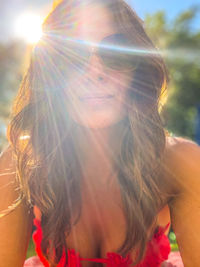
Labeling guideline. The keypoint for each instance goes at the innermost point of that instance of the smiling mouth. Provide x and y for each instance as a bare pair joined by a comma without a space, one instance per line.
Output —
96,101
91,97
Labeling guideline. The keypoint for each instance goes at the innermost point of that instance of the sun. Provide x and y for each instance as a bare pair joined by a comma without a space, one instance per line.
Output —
28,26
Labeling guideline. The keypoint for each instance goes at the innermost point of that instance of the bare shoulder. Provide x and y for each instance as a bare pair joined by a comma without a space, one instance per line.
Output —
182,159
177,145
15,226
8,183
6,157
7,173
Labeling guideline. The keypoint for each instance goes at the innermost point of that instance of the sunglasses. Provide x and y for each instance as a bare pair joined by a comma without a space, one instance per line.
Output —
114,51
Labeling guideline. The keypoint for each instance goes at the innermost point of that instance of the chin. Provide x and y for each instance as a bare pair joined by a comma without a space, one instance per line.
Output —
99,122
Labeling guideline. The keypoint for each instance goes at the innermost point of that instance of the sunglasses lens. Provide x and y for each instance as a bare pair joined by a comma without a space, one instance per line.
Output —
116,53
114,50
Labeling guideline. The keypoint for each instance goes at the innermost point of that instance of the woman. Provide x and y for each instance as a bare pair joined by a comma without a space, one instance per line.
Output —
89,152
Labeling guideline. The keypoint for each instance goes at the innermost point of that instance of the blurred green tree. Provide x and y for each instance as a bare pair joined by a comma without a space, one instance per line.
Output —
180,45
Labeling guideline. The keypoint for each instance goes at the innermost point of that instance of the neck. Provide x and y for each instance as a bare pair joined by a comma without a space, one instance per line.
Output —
99,148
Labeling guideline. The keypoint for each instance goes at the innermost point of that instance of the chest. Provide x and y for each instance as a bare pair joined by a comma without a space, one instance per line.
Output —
102,225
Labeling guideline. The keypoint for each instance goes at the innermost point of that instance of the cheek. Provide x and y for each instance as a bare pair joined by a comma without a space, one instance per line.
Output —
123,80
121,83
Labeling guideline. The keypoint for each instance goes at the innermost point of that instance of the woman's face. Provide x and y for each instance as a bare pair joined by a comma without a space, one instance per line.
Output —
97,96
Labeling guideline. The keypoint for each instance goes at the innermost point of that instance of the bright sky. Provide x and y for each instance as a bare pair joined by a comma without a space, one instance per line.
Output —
11,9
172,7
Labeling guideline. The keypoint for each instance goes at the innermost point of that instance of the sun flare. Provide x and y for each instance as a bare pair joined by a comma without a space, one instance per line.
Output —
28,26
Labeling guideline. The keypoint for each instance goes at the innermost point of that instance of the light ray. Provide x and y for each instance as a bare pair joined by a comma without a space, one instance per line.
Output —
54,67
184,54
65,50
125,49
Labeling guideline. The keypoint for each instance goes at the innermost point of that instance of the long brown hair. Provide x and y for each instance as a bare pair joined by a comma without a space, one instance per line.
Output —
41,134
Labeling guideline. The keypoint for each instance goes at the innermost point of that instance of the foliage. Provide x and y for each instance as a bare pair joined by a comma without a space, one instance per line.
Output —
173,242
180,45
31,250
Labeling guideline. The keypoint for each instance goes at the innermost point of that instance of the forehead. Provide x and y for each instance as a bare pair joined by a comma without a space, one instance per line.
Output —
93,22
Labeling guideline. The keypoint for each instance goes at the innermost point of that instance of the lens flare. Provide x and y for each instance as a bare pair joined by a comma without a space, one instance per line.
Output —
28,26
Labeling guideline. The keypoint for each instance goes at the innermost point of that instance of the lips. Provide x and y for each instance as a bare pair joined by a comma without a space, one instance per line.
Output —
95,101
88,97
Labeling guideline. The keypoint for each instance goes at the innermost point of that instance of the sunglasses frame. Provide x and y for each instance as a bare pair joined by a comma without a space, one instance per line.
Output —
99,50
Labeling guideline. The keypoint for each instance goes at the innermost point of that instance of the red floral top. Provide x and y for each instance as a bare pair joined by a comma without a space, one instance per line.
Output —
158,249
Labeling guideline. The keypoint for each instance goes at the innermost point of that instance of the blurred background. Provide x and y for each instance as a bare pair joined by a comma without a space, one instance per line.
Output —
174,26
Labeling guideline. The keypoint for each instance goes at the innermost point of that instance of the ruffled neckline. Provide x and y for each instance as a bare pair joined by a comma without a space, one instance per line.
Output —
158,249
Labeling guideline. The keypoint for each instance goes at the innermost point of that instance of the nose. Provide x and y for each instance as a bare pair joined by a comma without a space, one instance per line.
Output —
95,68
